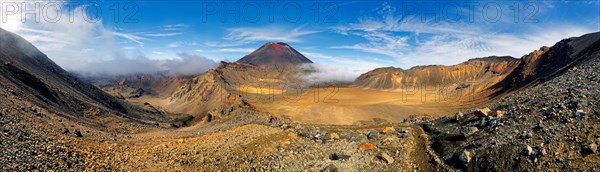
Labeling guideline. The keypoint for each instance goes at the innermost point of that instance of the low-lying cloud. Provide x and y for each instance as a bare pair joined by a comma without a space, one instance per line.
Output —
325,74
186,64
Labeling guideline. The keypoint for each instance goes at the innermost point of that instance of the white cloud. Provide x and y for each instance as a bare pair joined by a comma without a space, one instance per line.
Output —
90,48
322,73
441,42
186,64
335,69
73,40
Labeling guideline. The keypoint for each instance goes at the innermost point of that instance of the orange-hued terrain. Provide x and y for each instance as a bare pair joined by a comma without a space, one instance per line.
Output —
539,112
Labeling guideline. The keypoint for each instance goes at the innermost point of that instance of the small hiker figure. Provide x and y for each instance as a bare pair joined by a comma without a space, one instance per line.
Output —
272,119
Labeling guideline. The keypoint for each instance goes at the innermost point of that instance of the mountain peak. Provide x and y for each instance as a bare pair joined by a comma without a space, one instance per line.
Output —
275,53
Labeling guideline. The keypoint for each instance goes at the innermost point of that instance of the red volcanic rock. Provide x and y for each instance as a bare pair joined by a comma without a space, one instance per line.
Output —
367,146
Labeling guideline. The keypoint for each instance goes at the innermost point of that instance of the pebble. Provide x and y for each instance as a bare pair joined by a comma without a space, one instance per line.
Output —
465,157
341,157
367,146
78,133
468,131
528,150
482,112
387,129
589,149
372,134
334,136
385,157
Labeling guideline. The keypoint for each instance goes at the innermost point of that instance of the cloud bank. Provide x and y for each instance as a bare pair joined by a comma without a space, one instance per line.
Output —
322,73
186,64
88,47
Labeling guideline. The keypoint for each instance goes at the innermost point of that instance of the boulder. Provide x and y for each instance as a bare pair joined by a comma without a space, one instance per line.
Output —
465,157
78,133
387,129
284,126
468,131
499,113
385,157
336,156
372,134
579,113
403,130
589,149
528,150
482,112
334,136
458,116
367,146
538,127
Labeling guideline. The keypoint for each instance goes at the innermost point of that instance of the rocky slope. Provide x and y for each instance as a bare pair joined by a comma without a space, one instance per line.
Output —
232,86
550,123
135,86
477,77
548,62
39,80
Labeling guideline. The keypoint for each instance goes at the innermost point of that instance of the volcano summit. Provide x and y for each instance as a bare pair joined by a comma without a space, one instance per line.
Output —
275,53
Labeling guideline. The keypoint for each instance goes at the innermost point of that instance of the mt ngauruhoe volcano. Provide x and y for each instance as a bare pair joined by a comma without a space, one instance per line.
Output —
274,53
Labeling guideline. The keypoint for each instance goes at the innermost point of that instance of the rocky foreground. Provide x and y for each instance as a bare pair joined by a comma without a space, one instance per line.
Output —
33,139
551,126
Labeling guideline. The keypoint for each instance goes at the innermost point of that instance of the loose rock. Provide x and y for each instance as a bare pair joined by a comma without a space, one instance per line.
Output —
385,157
579,113
334,136
372,134
499,113
465,157
387,129
468,131
336,156
528,150
589,149
367,146
78,133
482,112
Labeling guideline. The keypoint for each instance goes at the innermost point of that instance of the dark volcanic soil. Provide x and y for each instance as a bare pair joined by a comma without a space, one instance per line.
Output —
550,126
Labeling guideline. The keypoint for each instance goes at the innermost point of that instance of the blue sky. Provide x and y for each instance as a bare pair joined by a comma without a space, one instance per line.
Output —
352,36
